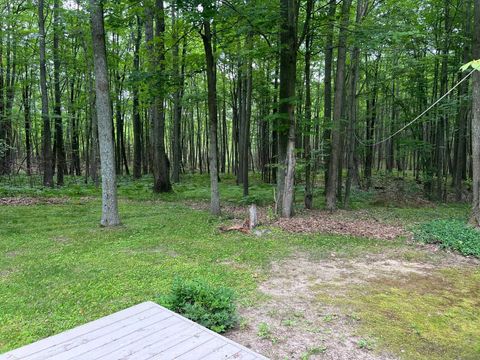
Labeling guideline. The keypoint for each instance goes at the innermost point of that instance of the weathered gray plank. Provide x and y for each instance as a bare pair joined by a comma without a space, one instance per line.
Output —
122,347
166,343
244,355
106,338
83,343
144,331
224,352
41,345
204,349
132,349
188,345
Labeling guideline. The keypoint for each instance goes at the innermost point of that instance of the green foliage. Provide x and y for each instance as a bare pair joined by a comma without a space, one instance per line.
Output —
212,307
475,64
367,344
450,234
264,331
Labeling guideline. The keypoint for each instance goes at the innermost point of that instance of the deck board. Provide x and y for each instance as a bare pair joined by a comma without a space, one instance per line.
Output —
144,331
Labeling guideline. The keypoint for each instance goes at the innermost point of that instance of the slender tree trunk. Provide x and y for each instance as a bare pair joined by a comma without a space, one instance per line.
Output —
3,132
351,141
137,124
26,95
308,200
333,168
475,217
46,132
178,75
212,116
110,215
327,104
461,148
57,110
286,128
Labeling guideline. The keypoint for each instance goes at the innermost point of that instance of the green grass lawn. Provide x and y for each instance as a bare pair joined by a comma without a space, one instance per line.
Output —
59,269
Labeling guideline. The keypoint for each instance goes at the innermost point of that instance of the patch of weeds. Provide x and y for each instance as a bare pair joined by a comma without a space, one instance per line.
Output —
243,324
354,316
198,301
313,351
289,322
330,317
450,234
367,344
265,332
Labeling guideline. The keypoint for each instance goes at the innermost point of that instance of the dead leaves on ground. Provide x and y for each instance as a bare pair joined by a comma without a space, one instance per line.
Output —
322,222
26,201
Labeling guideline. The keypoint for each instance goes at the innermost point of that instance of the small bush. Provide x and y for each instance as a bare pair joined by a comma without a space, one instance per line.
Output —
450,234
198,301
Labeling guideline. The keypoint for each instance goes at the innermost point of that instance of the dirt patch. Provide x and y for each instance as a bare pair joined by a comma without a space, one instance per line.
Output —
294,323
26,201
324,222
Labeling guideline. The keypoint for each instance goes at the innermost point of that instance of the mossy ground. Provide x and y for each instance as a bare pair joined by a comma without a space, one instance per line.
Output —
434,315
59,269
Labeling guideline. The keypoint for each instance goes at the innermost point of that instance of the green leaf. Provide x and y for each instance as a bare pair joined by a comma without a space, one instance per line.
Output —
475,64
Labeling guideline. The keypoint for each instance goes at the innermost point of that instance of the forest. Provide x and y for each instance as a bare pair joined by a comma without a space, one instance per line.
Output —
351,126
299,92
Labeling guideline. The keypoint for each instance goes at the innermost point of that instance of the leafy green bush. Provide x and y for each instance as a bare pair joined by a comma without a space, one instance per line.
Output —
209,306
450,234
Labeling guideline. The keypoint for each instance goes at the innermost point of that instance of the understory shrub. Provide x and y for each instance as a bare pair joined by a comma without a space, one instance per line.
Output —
450,234
212,307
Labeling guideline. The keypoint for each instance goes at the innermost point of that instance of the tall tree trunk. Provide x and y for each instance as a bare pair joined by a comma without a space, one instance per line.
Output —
351,141
57,109
371,120
3,133
245,104
161,164
461,148
333,168
26,99
286,128
46,132
308,200
327,100
475,217
212,116
103,103
178,75
137,125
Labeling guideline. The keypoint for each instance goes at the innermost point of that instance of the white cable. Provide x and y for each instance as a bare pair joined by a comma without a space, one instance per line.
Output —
419,116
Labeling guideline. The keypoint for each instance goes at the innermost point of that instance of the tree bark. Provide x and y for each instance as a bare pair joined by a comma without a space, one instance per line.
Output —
351,141
212,116
308,200
57,109
327,100
333,168
103,104
137,125
475,217
157,58
178,75
286,128
46,132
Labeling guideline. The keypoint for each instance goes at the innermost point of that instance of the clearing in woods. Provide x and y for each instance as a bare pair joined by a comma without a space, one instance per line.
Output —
319,286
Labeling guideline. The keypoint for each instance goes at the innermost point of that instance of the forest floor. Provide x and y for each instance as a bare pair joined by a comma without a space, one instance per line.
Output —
352,285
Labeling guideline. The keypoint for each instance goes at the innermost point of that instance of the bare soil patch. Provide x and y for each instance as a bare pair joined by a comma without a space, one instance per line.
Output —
301,326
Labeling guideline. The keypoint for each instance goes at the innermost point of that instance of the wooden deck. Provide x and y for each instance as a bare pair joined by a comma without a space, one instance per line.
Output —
144,331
